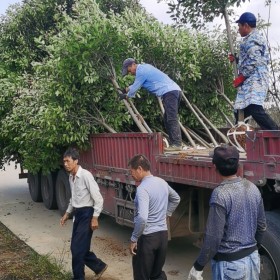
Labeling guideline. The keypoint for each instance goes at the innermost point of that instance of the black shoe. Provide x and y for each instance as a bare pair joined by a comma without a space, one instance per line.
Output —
99,274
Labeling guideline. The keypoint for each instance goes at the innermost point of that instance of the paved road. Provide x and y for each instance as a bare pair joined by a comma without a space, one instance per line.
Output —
40,229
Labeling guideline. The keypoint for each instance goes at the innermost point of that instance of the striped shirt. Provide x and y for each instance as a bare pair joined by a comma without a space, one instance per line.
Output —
84,192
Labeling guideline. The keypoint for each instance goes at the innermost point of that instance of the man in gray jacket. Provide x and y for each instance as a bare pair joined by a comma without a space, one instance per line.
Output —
155,201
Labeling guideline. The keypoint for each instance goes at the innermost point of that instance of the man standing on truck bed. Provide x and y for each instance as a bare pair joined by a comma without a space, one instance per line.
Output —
155,201
86,203
160,85
235,225
253,77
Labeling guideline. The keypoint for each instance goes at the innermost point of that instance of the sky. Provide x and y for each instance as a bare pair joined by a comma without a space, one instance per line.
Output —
254,6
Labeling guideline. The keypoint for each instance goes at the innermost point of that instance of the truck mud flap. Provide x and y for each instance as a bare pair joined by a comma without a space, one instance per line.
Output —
124,211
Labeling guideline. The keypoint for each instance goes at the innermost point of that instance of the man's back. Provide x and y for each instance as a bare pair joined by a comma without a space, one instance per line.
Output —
154,200
242,203
153,80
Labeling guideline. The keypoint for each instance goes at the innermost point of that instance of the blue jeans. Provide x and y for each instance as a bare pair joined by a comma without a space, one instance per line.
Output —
247,268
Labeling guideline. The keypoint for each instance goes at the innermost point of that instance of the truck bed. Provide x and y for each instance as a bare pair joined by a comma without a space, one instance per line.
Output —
110,153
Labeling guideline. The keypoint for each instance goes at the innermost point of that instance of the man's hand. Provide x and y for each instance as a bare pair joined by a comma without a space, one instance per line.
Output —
231,57
122,96
94,223
133,247
195,274
238,81
64,219
120,90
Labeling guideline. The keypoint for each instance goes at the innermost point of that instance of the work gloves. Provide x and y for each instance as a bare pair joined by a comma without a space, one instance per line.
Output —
195,274
122,94
233,57
238,81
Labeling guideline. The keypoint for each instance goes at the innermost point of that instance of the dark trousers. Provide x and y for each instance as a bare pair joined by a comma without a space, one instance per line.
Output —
260,116
80,244
150,257
171,101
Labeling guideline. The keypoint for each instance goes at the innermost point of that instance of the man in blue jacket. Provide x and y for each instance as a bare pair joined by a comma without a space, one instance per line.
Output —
253,75
160,85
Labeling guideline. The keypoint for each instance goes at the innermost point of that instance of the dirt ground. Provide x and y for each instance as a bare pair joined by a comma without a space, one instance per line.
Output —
13,251
18,261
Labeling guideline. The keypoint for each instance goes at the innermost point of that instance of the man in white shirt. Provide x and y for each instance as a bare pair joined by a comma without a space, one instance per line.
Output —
86,203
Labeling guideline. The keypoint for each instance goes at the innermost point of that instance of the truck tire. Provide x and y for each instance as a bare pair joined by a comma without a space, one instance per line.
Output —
48,191
62,191
270,250
34,186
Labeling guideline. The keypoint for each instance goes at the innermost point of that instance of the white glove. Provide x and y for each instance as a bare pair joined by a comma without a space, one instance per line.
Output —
195,274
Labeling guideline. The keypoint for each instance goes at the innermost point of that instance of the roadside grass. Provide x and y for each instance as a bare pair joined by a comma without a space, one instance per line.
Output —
20,262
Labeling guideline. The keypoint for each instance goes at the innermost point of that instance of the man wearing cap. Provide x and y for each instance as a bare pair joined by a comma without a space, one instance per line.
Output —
253,76
160,85
235,225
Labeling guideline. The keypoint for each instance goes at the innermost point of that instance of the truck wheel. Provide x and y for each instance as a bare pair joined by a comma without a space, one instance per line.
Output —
48,191
34,186
62,191
270,250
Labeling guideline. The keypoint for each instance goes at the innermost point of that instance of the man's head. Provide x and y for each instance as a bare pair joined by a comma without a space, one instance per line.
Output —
70,160
246,23
139,167
129,66
226,160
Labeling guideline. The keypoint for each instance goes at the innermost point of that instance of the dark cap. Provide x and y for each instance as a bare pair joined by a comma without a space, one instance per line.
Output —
225,152
128,62
247,18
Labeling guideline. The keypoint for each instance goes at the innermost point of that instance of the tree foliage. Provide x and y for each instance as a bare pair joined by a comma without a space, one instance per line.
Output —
200,12
56,79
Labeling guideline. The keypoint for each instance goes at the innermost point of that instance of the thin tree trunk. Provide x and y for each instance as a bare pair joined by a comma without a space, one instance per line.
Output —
199,119
211,125
136,117
225,13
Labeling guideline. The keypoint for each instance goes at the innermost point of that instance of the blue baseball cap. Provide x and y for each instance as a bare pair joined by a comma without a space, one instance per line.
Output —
247,18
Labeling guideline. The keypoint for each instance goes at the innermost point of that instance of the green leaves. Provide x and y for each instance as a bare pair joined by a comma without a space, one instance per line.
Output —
199,12
56,85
